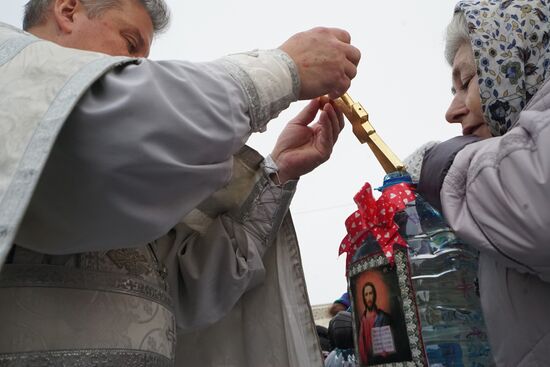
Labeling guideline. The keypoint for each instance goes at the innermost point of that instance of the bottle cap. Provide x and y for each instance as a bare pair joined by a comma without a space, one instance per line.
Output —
395,178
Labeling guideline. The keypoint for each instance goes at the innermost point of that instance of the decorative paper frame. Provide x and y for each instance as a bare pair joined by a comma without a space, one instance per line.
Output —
408,304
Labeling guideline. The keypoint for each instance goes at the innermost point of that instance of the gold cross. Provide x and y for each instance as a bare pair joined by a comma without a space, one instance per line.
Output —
365,132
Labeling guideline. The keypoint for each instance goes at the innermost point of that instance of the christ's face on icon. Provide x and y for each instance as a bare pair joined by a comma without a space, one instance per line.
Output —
368,296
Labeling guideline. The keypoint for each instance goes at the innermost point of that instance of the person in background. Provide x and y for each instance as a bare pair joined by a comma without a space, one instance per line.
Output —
340,331
341,304
324,340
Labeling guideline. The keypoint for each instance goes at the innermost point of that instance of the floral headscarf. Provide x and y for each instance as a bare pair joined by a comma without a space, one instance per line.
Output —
511,44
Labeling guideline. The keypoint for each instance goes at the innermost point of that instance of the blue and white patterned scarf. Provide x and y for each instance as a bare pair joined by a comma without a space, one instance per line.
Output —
511,44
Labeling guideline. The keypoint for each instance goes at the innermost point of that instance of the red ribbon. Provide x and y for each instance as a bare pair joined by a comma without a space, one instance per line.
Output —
376,217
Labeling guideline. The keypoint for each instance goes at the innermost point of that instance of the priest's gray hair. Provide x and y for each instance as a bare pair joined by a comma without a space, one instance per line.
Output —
36,11
457,35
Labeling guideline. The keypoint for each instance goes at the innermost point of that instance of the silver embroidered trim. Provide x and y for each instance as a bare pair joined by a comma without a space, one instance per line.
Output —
249,89
50,276
13,29
267,96
296,83
268,204
10,48
273,109
19,191
86,358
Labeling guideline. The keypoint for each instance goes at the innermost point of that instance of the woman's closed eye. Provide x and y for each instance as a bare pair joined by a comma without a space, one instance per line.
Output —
466,83
462,85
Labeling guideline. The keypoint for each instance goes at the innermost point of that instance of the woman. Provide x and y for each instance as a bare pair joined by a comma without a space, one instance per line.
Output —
495,192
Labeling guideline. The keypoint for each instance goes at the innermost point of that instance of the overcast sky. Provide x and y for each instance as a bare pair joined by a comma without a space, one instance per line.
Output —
403,83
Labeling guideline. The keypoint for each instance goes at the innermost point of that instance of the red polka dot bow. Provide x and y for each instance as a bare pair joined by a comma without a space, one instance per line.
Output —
376,217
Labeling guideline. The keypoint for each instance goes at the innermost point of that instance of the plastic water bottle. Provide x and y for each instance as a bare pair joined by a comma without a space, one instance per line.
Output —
444,277
443,269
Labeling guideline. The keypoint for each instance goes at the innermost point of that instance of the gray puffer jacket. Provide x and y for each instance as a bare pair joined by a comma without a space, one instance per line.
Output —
496,196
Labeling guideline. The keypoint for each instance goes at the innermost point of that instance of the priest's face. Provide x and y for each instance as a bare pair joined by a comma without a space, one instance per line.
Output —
123,30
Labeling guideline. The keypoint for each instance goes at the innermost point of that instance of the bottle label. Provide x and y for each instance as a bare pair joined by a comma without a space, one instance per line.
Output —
385,316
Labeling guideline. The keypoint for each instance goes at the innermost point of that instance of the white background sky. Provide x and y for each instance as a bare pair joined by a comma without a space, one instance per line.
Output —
403,82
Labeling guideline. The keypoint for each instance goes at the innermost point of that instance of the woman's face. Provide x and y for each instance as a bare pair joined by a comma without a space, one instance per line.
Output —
466,105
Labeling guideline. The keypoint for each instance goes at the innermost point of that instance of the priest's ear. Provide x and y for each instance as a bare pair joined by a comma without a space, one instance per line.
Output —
67,13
